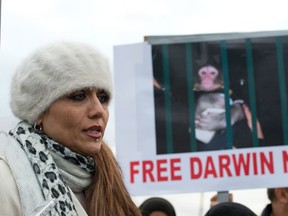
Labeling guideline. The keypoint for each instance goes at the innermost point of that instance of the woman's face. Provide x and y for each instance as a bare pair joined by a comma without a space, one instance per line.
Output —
78,120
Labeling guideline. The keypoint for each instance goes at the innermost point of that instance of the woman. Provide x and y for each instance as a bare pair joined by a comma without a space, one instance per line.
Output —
55,160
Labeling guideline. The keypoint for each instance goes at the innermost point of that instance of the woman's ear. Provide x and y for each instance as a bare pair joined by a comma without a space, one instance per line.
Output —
38,125
39,120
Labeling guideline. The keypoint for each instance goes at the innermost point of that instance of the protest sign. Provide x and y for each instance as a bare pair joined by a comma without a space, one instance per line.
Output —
165,144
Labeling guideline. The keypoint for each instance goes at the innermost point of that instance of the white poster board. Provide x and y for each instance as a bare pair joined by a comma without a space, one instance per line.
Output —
147,172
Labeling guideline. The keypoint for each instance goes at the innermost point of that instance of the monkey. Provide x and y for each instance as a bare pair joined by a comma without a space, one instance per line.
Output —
210,105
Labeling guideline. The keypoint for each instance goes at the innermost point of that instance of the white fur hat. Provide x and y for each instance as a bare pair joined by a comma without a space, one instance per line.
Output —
53,71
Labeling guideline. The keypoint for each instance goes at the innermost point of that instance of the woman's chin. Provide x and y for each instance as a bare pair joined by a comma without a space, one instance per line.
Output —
90,149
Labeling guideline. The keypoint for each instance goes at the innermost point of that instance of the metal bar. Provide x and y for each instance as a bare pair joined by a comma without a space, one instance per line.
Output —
226,92
251,82
191,104
282,88
166,74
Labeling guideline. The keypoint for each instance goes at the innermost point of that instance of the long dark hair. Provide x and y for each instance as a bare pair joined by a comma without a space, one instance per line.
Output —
107,195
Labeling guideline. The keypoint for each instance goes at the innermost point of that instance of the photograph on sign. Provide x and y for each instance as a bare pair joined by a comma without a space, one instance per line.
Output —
210,95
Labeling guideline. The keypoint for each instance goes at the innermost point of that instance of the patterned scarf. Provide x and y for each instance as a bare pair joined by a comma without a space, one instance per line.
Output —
38,147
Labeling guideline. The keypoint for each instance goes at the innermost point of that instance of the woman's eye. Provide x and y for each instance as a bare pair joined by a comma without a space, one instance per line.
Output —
78,96
103,97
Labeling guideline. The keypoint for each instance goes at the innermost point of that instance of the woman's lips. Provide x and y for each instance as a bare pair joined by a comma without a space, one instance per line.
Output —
94,132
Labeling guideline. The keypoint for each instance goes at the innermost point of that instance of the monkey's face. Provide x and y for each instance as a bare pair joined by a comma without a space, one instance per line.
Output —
207,76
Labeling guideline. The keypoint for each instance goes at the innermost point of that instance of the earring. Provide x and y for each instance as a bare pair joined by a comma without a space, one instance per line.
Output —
38,127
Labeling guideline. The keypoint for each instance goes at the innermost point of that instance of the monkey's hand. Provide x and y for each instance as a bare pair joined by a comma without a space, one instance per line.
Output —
211,121
214,121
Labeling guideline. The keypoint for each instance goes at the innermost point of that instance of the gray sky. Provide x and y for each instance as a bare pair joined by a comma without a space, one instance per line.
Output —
31,23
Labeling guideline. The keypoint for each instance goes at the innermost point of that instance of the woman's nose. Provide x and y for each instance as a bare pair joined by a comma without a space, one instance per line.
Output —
96,109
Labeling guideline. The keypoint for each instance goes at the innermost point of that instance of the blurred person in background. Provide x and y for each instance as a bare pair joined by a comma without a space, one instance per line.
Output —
157,206
279,202
229,209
